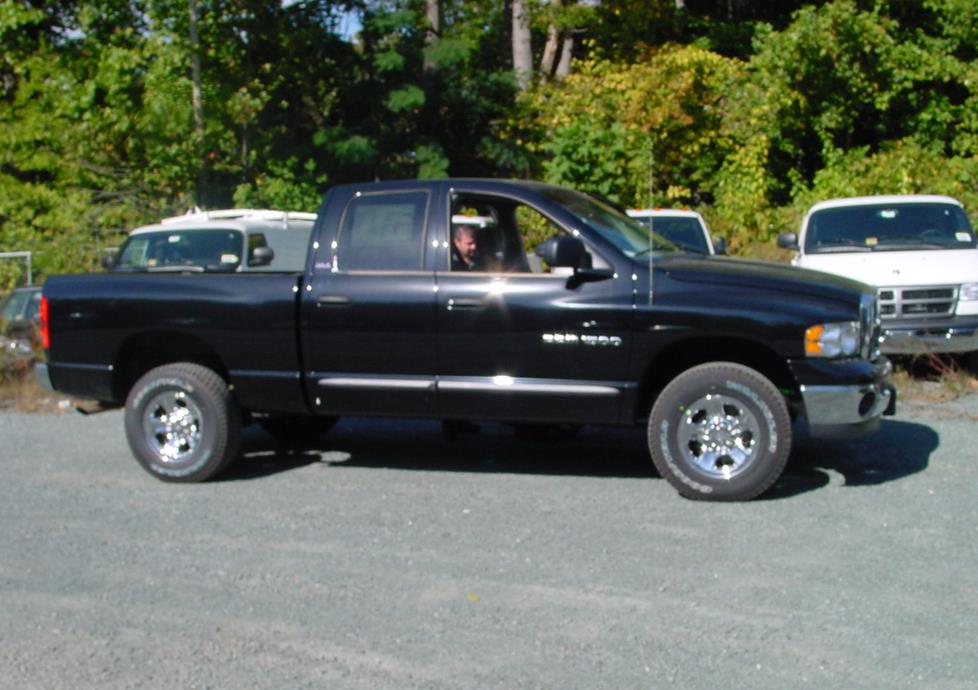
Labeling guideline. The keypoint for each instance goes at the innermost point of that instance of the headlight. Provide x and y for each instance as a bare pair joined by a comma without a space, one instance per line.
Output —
832,339
968,292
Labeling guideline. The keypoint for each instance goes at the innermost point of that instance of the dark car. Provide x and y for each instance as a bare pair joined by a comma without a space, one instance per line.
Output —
20,321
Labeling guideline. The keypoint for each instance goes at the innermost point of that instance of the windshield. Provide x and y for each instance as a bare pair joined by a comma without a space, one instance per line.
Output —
683,231
181,250
888,227
20,304
627,234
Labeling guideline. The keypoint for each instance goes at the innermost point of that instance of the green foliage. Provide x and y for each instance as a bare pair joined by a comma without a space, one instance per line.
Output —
748,110
621,129
594,158
432,163
286,185
406,98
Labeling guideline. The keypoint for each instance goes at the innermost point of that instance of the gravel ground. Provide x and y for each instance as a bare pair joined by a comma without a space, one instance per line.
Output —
386,557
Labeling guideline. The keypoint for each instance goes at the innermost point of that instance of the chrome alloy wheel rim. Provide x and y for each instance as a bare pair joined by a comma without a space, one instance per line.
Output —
719,435
172,426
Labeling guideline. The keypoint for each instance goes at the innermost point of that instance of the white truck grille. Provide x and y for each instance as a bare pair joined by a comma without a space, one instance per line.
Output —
905,303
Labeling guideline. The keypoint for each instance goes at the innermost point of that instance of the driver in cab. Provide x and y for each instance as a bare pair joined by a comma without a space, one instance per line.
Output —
466,250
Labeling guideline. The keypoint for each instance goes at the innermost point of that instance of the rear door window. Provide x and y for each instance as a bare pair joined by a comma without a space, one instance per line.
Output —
383,232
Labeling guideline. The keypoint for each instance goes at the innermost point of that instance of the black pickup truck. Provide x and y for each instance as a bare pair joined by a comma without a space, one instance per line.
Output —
478,300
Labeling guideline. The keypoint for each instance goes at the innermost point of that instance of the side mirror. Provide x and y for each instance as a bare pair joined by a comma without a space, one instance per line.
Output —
108,261
563,251
720,245
261,256
788,240
569,252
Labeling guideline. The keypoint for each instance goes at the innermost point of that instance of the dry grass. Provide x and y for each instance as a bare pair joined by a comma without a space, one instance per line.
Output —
933,378
19,391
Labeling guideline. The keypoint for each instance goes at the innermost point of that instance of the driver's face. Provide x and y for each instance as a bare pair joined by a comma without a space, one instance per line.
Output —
465,245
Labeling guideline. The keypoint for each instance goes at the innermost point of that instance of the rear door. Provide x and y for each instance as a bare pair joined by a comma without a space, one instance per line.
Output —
368,308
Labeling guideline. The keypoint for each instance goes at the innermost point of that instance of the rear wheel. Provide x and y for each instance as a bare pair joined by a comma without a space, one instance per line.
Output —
720,432
182,423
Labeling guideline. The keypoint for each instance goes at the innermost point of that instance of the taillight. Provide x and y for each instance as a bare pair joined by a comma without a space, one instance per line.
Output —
45,327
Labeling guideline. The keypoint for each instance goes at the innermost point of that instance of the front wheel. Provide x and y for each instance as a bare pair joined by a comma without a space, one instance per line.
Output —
182,423
720,432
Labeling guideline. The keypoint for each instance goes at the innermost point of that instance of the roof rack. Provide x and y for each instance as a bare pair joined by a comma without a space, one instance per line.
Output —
196,215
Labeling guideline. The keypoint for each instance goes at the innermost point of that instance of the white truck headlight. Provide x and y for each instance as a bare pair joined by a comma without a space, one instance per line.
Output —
968,292
832,339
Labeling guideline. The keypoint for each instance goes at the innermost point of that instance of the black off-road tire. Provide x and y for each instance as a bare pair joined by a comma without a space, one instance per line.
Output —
720,432
297,429
182,423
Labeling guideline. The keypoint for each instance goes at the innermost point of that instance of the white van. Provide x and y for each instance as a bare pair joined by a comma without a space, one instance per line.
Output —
918,250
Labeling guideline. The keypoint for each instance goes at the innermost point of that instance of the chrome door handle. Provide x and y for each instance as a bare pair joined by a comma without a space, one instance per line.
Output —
459,303
332,301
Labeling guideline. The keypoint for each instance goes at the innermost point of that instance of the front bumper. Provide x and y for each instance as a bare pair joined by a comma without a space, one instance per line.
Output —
853,404
913,338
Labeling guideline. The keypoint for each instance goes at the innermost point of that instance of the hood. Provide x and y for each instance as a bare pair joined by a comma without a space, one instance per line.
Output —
900,268
764,275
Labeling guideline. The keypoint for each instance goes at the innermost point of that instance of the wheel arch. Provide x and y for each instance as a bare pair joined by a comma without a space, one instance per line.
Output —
673,360
148,350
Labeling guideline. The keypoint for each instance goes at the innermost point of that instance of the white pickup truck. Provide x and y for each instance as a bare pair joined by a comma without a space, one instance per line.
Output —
685,229
918,250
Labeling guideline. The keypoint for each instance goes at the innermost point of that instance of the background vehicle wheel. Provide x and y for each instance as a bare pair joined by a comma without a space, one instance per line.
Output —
720,432
182,423
298,428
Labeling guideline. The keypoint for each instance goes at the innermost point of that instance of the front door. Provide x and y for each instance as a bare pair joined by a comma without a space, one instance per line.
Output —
516,342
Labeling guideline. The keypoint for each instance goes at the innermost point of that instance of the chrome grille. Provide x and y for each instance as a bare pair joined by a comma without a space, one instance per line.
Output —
918,302
869,321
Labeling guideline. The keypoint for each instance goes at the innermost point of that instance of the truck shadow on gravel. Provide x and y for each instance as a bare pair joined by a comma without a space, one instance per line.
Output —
420,445
898,450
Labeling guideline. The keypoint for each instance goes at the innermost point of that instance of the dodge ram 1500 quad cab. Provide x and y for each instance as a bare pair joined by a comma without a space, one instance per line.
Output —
468,299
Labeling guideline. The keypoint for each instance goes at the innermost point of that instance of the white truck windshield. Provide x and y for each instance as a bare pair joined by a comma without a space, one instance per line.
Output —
889,227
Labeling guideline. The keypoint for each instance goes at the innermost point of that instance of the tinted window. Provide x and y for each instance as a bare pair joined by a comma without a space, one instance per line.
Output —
291,246
683,231
889,226
217,250
20,304
383,232
627,234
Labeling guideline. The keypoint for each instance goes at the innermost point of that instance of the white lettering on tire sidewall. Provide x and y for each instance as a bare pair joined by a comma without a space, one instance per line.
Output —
679,469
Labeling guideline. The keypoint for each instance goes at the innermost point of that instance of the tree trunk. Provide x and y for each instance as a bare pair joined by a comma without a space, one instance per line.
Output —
432,32
196,97
553,44
564,66
522,49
